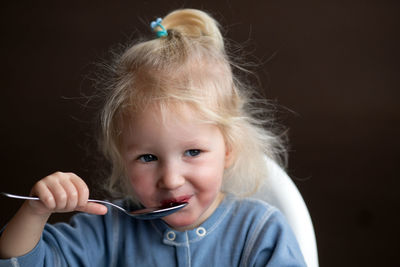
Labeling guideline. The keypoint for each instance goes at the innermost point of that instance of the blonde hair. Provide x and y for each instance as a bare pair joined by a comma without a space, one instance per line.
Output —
189,66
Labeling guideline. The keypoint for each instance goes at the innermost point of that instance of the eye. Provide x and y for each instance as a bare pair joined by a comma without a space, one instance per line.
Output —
192,152
147,158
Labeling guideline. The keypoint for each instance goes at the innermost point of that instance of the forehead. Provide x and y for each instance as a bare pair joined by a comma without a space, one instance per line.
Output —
166,114
150,128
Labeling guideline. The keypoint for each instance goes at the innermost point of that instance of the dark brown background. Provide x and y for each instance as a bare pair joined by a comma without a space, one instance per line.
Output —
334,63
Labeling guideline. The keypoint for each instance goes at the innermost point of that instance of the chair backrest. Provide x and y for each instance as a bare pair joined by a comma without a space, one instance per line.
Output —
280,191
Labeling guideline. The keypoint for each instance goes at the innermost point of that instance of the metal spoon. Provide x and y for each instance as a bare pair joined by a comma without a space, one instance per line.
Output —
143,214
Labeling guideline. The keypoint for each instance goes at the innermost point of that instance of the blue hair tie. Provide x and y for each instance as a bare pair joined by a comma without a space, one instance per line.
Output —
157,23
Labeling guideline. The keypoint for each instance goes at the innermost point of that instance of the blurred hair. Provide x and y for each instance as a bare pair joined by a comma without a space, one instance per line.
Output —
190,67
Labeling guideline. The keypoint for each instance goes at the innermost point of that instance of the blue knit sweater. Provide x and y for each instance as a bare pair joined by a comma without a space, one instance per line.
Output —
241,232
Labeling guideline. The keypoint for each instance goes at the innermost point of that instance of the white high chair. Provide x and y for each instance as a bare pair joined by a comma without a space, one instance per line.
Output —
280,191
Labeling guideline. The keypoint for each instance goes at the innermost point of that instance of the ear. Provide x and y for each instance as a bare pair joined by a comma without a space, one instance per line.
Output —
229,156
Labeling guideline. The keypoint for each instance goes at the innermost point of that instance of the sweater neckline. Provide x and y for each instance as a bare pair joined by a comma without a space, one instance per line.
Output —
174,237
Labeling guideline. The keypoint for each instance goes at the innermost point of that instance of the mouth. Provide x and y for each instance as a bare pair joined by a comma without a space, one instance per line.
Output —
171,202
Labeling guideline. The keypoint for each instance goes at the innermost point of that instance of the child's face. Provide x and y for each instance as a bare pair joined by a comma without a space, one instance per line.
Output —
180,159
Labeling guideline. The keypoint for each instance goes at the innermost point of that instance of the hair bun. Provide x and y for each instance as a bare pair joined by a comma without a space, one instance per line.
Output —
194,23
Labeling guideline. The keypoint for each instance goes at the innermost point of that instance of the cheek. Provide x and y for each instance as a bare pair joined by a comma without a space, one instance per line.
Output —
209,177
141,183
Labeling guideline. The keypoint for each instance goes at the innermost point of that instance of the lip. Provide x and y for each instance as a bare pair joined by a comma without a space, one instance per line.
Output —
173,201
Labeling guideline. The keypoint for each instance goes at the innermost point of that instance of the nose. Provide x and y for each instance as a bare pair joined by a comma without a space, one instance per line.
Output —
170,176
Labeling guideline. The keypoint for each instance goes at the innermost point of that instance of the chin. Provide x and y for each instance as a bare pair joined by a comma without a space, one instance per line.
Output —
180,221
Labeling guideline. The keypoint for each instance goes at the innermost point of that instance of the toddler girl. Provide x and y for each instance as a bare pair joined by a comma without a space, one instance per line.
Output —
176,126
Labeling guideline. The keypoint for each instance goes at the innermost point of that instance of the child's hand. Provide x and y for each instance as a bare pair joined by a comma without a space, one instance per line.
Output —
63,192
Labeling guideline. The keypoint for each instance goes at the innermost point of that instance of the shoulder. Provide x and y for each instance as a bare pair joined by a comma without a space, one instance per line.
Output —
253,217
262,218
269,238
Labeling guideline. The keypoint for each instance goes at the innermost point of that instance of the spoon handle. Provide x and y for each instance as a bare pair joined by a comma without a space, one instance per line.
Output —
18,196
89,200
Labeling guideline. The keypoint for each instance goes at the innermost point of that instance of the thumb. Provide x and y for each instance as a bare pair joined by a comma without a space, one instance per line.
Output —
93,208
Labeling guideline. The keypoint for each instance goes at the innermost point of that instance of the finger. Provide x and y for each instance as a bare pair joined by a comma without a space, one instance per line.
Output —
72,194
94,208
58,191
82,189
46,197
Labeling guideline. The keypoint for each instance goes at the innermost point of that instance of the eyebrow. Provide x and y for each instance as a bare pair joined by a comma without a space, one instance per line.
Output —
132,147
195,142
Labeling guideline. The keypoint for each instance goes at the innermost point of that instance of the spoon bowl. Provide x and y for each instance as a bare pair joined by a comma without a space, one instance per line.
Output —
142,214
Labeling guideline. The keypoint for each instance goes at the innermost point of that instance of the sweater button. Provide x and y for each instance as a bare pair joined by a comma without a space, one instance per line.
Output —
201,231
171,235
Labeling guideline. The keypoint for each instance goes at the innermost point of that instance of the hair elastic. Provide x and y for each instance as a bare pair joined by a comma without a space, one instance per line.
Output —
157,23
